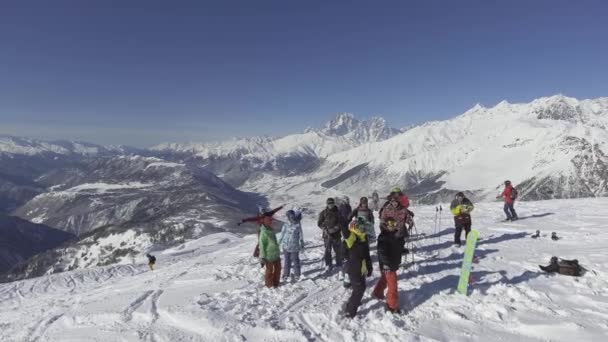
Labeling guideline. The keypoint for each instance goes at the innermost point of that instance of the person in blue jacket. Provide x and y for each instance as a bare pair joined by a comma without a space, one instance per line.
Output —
291,241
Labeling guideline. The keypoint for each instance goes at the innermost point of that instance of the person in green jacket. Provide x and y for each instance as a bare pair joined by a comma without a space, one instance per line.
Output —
270,253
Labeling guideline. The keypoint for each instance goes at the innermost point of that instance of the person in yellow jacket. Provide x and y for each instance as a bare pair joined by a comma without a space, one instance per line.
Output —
359,264
461,208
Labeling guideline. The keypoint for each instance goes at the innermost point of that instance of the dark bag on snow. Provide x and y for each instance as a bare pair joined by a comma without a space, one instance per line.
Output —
565,267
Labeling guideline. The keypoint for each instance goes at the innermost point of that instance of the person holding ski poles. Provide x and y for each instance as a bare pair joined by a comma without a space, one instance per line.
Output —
509,194
461,208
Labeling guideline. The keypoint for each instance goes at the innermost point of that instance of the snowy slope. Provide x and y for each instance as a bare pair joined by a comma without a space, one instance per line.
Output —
211,290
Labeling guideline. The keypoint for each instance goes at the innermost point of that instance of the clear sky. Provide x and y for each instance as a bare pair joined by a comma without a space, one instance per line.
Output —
144,72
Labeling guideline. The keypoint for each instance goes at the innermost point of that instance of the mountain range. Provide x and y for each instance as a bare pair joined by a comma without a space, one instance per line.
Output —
120,201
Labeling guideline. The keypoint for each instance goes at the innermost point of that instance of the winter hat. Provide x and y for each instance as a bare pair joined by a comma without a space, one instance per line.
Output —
330,201
363,200
459,195
507,182
291,215
396,190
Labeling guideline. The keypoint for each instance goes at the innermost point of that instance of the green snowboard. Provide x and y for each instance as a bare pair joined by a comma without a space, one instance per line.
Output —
467,262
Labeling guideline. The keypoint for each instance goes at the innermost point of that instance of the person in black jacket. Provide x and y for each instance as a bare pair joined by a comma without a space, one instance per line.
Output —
390,249
151,261
359,265
331,222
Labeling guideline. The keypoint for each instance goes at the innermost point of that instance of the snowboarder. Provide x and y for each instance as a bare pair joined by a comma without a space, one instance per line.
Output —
375,201
331,222
151,261
509,194
461,208
262,215
390,249
269,252
291,241
359,266
363,211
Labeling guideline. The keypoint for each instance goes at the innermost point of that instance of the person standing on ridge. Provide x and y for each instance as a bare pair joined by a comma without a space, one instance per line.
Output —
331,223
259,219
291,241
375,201
269,253
390,249
359,266
461,208
509,194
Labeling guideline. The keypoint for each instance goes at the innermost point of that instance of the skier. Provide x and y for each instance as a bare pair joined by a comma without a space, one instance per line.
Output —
269,253
390,249
363,211
359,265
263,214
151,261
461,208
291,241
331,222
509,194
375,201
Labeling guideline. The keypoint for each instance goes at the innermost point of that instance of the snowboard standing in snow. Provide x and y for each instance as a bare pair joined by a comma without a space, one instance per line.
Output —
467,262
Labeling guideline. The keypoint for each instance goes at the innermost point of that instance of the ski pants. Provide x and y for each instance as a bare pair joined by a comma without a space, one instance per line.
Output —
291,257
462,222
510,211
357,281
272,276
333,241
388,281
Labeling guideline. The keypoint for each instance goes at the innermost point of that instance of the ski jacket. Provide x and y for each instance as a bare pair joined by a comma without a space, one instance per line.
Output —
291,238
367,215
330,221
345,210
269,247
398,213
390,250
461,207
359,259
506,194
258,219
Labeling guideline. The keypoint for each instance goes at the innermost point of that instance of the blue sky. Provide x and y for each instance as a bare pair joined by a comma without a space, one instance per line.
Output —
144,72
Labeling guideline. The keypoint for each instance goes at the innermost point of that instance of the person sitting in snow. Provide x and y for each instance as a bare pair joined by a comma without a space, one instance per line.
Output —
263,214
359,265
291,241
269,253
390,249
461,208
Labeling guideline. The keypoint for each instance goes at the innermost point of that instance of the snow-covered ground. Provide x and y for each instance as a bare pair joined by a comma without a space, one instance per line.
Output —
211,290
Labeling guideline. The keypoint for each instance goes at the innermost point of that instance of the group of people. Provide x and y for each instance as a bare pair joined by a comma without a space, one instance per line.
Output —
347,235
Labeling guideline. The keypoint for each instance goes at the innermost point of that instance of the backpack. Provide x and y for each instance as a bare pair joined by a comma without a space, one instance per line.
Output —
570,267
513,193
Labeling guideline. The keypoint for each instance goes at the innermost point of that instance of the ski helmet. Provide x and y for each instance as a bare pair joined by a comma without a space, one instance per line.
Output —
330,202
507,182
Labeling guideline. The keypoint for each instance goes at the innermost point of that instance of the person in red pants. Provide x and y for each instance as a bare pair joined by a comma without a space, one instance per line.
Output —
390,249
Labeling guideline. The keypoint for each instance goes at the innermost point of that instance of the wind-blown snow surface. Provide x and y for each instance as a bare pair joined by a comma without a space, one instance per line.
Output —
211,290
